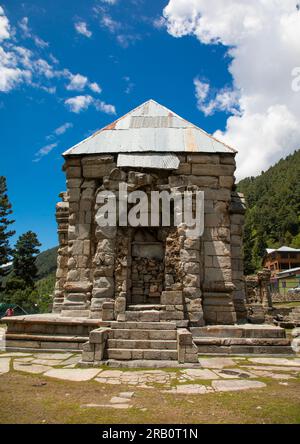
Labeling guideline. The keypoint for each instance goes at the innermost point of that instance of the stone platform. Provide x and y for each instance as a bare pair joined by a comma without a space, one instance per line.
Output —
115,342
241,339
48,332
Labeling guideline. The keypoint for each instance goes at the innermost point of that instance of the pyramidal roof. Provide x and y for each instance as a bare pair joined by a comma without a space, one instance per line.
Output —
150,127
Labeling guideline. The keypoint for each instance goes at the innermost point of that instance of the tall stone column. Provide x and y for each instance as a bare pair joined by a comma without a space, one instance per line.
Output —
237,218
214,175
62,219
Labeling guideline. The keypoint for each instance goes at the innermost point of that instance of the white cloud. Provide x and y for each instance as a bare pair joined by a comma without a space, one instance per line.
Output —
263,42
19,65
79,103
209,101
95,87
77,82
159,23
27,33
105,107
129,84
110,2
201,90
40,42
109,23
81,28
82,103
24,25
10,74
44,151
63,128
4,25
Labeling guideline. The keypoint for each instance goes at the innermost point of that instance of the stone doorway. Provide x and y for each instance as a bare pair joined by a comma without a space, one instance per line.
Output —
147,267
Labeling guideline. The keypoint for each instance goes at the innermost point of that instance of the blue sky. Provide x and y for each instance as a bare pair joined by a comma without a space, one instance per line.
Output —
103,58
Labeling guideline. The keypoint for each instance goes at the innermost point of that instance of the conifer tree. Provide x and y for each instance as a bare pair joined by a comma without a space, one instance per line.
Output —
5,222
24,256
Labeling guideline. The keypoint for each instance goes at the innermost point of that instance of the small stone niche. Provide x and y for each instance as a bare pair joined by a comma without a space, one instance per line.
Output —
147,269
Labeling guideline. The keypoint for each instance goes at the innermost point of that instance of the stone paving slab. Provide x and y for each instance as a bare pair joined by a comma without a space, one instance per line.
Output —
275,368
73,360
266,374
194,373
30,368
126,395
216,362
78,374
4,365
20,360
231,385
58,356
276,361
190,389
14,354
105,406
234,373
50,362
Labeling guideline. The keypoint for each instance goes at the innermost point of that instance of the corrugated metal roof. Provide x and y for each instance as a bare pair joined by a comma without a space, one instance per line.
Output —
283,249
150,127
289,271
149,160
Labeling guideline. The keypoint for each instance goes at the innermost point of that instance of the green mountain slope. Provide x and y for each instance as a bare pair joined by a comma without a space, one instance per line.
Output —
46,262
273,210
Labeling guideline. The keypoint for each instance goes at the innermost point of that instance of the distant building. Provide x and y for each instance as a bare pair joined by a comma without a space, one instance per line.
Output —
281,259
285,280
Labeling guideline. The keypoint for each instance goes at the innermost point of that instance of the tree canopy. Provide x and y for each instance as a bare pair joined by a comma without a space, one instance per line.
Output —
273,210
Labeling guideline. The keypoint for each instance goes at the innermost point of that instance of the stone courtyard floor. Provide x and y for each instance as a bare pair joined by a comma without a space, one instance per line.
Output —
50,387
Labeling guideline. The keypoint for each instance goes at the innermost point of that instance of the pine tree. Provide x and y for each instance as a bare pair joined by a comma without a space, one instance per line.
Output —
5,222
24,257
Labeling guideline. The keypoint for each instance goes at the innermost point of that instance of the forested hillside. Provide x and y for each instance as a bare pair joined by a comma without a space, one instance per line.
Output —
273,210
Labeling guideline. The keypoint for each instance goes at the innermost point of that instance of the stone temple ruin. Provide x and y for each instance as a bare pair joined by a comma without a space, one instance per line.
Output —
148,293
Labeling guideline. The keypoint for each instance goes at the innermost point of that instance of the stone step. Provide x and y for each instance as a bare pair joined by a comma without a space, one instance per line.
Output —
143,316
141,344
147,307
124,333
148,354
238,331
242,341
244,349
51,325
143,325
44,342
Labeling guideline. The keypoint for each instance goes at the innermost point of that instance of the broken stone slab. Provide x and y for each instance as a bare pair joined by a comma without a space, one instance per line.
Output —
295,344
113,406
50,362
231,385
14,355
31,368
216,362
272,368
296,332
55,356
117,400
267,374
190,389
4,365
73,374
195,373
234,373
276,361
126,395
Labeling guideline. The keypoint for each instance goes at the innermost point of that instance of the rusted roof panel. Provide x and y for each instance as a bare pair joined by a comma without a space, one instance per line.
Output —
150,127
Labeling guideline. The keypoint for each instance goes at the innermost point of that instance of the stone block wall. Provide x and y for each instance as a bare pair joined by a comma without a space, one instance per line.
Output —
95,264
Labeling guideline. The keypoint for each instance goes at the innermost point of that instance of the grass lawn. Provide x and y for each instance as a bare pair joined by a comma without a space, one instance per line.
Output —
28,398
286,304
